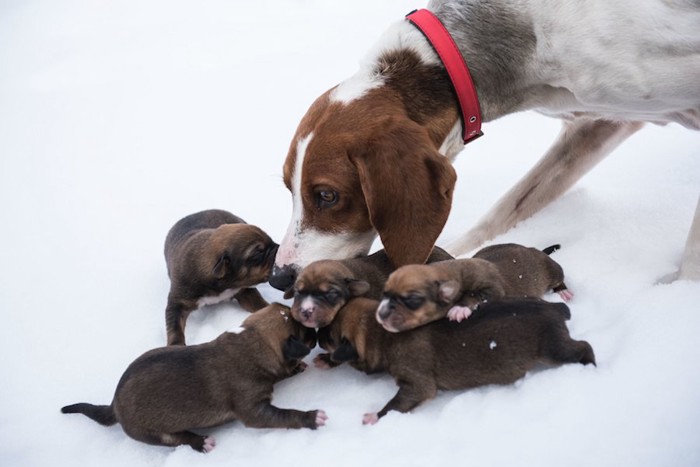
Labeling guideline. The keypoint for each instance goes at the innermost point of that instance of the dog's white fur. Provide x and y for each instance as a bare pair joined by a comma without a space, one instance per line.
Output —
604,67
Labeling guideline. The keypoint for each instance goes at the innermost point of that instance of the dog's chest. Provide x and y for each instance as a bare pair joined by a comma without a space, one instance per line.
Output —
224,296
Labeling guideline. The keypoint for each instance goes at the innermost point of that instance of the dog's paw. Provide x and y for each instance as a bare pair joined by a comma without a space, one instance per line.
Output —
209,444
323,361
321,418
459,313
370,418
566,295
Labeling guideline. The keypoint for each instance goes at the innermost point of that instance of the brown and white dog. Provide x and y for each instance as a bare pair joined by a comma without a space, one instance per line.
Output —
498,345
415,295
169,391
324,286
373,154
213,256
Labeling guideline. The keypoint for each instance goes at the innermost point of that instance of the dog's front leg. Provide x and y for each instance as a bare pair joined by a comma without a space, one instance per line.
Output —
690,263
409,396
251,300
581,145
266,415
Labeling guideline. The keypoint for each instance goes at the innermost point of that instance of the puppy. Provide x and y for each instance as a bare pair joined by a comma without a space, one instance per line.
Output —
416,295
498,345
527,271
170,390
214,256
326,285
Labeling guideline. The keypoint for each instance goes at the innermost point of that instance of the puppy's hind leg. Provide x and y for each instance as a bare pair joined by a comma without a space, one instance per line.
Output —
197,442
581,145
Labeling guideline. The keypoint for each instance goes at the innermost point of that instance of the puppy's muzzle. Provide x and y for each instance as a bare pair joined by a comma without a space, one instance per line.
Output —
283,278
385,309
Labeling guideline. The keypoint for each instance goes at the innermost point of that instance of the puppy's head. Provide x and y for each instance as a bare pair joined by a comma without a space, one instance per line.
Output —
321,289
290,340
238,255
346,338
356,169
415,295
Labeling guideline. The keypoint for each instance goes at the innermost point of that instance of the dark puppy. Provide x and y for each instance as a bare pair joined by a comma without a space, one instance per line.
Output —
527,271
498,345
214,256
418,294
324,286
170,390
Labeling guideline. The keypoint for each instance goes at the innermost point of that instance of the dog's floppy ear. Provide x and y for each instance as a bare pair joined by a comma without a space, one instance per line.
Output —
294,349
289,293
357,287
447,291
221,265
345,352
408,188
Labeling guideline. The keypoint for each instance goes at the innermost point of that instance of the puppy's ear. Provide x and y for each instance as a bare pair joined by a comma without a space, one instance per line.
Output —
221,265
345,352
294,349
357,287
408,187
289,293
447,291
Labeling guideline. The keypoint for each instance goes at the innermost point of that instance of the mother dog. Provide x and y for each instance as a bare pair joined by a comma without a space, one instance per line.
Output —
373,154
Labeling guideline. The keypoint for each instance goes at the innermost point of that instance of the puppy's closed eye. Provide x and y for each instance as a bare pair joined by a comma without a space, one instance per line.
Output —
413,301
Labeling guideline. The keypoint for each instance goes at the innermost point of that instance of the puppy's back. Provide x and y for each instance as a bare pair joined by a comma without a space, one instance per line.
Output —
498,344
189,225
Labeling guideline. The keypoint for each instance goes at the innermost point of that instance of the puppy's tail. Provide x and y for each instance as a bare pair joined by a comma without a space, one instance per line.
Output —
551,249
102,414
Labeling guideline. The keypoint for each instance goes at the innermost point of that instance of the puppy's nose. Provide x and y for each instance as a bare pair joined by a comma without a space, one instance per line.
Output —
283,278
384,310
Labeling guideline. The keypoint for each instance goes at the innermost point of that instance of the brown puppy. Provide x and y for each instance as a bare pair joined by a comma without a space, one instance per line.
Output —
170,390
324,286
418,294
498,345
214,256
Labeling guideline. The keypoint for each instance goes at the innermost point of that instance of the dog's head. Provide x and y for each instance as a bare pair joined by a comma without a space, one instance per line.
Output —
360,168
320,290
290,340
415,295
240,255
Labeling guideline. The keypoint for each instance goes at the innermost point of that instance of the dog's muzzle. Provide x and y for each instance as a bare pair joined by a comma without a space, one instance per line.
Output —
283,278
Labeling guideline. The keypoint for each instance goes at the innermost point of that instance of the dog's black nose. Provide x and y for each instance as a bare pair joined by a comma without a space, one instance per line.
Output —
283,278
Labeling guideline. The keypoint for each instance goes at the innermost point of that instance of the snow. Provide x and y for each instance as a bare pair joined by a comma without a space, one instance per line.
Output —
119,118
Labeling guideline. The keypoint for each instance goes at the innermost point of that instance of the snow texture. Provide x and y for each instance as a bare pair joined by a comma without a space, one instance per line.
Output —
119,118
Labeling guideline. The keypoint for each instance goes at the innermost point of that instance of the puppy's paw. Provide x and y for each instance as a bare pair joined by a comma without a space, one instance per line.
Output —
321,418
459,313
370,418
209,444
566,295
323,361
300,368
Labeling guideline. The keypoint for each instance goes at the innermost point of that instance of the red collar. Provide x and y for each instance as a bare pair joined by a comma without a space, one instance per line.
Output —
456,67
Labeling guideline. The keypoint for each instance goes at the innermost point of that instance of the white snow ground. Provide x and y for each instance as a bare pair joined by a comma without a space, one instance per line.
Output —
118,118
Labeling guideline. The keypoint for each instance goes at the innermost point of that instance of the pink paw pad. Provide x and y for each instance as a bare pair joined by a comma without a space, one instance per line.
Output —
566,295
370,418
209,444
321,362
459,313
321,418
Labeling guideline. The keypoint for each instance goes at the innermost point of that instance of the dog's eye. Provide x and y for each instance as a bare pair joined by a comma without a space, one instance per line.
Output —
326,198
332,296
258,256
413,302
